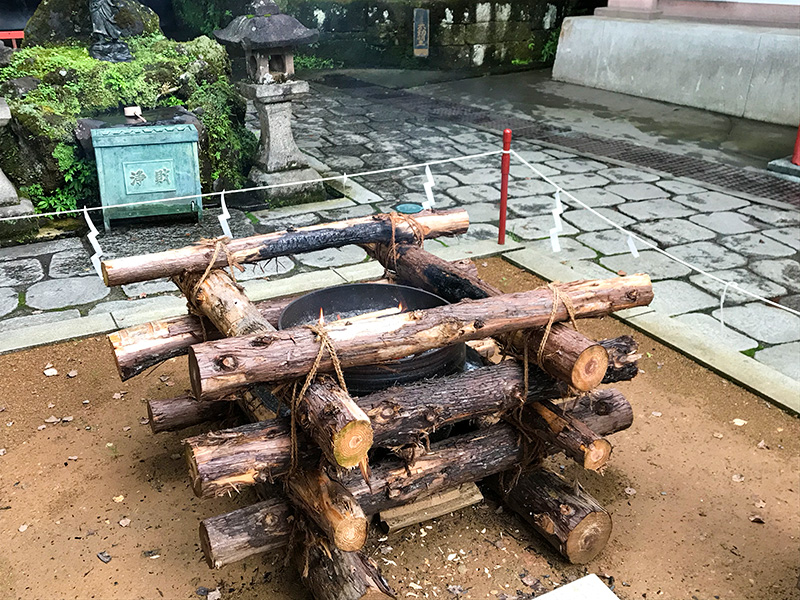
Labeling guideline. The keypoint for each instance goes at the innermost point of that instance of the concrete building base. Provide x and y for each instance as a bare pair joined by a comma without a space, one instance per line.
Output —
737,70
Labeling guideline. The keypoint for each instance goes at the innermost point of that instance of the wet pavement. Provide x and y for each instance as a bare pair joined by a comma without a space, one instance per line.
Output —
735,236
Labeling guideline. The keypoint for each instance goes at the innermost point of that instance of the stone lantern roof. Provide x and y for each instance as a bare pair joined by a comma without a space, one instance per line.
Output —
266,27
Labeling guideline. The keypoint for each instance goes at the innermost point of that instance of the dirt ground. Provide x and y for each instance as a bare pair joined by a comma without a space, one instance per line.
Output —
686,533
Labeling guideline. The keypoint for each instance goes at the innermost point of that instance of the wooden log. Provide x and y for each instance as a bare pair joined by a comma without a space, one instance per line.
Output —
332,574
220,367
184,411
395,519
602,411
331,506
567,516
567,354
478,454
362,230
329,414
257,452
622,358
568,433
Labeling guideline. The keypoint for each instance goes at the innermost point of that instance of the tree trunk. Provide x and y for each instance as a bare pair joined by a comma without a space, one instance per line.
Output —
479,454
220,367
330,506
395,519
400,415
622,358
342,430
566,432
184,411
363,230
332,574
570,519
567,355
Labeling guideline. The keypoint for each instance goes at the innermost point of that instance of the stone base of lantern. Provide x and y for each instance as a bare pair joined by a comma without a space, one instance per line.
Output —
23,224
293,190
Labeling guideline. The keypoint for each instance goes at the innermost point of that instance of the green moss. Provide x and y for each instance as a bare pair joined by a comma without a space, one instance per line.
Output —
73,85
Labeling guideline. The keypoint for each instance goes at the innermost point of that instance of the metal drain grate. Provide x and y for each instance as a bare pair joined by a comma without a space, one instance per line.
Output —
736,179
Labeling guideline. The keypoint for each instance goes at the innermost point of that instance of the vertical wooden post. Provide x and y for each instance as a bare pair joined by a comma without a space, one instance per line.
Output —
504,168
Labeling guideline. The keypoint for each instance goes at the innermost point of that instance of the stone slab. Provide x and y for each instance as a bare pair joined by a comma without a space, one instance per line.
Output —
41,318
361,272
680,187
762,322
652,210
476,232
536,228
571,250
531,206
655,264
784,358
474,193
442,182
259,289
676,297
637,191
579,181
529,187
710,327
283,223
742,277
606,242
594,197
772,215
588,221
484,176
40,248
70,263
61,293
524,171
476,249
146,288
788,235
351,212
332,257
726,223
47,334
575,165
287,211
9,300
785,272
673,232
711,201
274,267
756,244
626,175
126,310
708,256
20,272
483,212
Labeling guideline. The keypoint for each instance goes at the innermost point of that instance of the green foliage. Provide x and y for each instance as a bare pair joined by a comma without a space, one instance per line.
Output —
204,16
311,61
73,85
550,46
520,62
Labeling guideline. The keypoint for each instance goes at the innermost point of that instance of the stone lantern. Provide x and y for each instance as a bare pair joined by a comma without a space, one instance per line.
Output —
268,38
11,205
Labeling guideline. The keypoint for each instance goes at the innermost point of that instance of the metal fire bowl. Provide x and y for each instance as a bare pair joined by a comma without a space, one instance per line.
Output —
357,298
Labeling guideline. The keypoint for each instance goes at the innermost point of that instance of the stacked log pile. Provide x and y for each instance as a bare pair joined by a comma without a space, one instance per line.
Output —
337,460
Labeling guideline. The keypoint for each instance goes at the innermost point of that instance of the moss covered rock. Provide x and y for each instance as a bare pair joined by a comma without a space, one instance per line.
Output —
68,21
43,156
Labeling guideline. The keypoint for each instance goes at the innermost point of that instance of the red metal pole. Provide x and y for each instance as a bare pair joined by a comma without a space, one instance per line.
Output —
504,167
796,153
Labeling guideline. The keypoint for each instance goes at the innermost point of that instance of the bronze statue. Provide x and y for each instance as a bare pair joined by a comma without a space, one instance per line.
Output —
103,13
107,45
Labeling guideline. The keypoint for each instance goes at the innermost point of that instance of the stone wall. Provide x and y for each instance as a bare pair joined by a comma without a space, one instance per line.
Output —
464,34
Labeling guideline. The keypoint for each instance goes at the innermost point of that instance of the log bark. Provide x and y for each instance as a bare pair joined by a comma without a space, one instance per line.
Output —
363,230
567,516
567,355
220,367
563,430
623,358
475,456
333,418
328,503
332,574
184,411
242,456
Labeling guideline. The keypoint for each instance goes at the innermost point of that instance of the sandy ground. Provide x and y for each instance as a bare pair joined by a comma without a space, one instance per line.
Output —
685,534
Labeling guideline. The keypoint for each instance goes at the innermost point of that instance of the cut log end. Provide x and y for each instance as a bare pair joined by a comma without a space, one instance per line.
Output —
351,443
597,455
207,547
351,534
589,368
588,538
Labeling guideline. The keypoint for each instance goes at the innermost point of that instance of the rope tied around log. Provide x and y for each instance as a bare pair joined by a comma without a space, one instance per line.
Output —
325,343
220,244
416,229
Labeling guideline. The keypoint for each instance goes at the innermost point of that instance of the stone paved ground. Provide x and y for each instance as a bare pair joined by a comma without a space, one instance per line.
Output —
751,243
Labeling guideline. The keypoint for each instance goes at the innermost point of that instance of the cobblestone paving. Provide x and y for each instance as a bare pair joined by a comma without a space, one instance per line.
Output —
752,244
